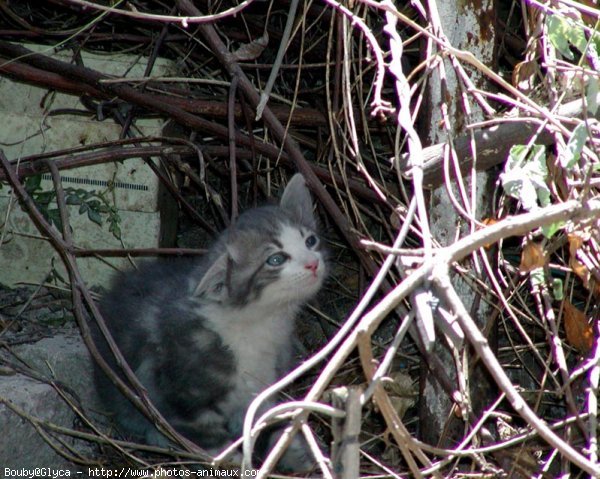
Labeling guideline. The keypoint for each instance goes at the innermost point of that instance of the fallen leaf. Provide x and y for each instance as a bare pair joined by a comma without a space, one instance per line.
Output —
489,222
251,51
575,243
532,257
580,334
525,74
402,392
580,270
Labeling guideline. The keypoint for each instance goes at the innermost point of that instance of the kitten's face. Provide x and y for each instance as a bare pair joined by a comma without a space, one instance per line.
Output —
294,265
284,266
271,255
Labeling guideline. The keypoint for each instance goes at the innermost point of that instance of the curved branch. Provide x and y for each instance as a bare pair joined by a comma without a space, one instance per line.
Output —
185,21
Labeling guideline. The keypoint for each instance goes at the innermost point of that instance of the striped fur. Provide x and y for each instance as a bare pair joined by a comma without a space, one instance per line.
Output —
206,336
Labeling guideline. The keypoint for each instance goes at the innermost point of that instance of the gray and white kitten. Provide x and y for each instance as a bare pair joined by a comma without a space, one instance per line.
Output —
205,336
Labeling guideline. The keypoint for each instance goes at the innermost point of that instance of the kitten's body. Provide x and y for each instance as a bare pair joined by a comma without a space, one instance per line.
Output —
206,336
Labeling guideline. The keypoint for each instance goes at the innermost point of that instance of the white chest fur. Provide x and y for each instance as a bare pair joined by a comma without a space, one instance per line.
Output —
259,340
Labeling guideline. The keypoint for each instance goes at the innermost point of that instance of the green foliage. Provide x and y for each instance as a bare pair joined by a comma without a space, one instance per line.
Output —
564,33
575,146
592,95
92,203
525,176
558,289
549,230
32,184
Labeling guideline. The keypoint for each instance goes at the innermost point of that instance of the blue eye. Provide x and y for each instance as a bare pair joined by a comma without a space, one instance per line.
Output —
311,241
276,259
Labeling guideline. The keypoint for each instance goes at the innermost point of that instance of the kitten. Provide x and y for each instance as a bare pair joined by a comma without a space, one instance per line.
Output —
205,336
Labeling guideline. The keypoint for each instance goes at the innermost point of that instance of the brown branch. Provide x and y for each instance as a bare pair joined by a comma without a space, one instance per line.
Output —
493,144
48,72
46,79
441,279
210,108
345,455
82,253
120,150
30,166
229,62
148,101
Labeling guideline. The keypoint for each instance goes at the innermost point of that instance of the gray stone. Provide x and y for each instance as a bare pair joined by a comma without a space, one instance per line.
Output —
62,359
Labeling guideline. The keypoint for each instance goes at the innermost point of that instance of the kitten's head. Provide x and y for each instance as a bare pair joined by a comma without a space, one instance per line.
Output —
272,255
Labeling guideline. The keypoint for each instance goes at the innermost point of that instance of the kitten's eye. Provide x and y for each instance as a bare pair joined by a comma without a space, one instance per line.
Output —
276,259
311,241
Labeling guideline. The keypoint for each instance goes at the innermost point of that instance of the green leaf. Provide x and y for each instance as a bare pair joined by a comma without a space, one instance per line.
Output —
576,36
57,276
73,199
557,289
574,147
94,216
115,229
83,208
525,176
558,34
54,217
550,230
44,198
537,277
32,183
563,32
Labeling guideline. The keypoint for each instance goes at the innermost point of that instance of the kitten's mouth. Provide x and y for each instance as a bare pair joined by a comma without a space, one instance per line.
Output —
311,281
316,278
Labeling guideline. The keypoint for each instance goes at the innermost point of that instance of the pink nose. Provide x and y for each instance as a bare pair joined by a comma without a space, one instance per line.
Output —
313,266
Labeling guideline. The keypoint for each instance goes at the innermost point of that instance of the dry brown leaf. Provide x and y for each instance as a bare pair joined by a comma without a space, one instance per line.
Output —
524,75
587,18
575,243
532,257
580,334
251,51
489,222
580,270
401,390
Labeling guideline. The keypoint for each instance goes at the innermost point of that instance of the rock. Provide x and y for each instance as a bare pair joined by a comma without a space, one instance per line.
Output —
65,360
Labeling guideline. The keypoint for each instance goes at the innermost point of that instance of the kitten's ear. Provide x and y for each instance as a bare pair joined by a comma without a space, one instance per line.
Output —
213,284
296,201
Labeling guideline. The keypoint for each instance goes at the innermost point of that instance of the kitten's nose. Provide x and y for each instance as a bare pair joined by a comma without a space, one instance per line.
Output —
313,266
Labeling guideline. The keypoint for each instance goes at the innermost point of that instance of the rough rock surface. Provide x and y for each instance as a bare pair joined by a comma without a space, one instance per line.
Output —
62,360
